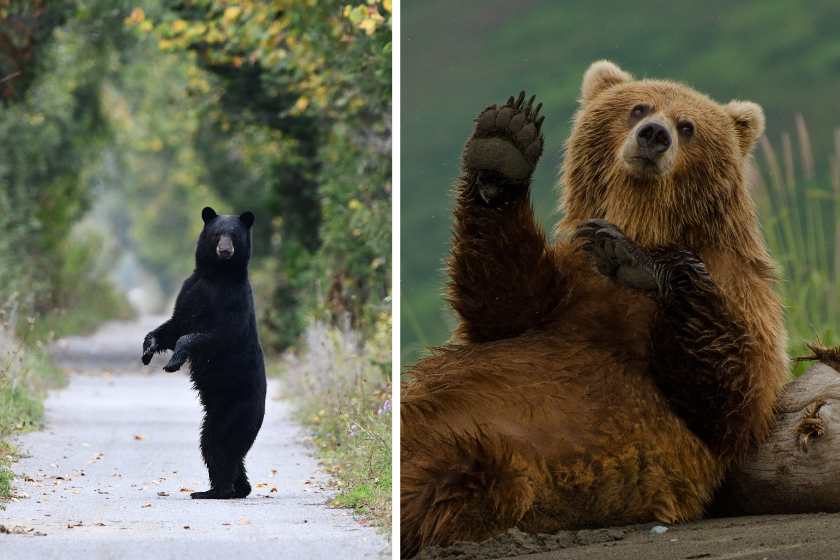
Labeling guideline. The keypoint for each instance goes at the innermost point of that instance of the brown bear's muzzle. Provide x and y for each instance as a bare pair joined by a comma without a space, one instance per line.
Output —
650,148
225,248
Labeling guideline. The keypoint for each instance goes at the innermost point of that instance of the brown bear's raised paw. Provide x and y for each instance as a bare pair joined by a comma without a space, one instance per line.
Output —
507,140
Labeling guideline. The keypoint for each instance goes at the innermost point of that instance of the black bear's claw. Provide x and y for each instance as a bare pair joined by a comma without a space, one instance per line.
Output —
149,348
616,255
506,140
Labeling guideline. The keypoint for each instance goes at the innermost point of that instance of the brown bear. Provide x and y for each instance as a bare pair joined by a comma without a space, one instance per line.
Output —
614,376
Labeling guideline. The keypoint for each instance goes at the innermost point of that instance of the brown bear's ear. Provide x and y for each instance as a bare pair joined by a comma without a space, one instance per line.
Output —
748,119
600,76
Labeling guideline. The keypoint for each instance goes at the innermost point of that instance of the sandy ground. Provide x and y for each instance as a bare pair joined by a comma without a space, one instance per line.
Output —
108,477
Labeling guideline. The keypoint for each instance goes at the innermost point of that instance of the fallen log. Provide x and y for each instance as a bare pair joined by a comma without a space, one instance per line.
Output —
797,469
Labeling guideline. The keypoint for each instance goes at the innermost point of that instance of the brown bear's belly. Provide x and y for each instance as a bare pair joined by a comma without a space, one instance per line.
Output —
583,430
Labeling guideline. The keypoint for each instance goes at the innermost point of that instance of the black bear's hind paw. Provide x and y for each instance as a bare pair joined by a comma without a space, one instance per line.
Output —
241,491
616,255
213,494
507,140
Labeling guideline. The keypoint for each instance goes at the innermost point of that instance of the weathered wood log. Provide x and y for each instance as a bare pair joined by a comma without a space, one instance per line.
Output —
797,469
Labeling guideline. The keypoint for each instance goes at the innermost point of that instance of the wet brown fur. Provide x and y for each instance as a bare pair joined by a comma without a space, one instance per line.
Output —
567,400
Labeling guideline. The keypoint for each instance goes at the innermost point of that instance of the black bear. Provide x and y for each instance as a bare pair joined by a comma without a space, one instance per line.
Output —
214,327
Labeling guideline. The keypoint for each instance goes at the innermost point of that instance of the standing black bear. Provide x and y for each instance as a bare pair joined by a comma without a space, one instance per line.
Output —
214,327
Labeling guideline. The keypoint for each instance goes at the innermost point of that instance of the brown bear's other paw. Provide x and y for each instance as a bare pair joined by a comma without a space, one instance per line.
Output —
507,140
616,255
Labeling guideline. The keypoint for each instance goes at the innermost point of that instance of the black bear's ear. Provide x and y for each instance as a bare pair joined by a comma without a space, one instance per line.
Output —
208,214
247,218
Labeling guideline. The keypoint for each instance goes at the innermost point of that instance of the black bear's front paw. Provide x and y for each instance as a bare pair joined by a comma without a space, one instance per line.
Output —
507,140
178,359
149,348
616,255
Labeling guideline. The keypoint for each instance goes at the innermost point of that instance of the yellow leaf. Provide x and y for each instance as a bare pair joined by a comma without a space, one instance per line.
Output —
244,522
231,14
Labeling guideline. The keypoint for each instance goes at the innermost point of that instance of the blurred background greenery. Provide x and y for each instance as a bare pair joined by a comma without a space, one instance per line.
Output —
121,119
459,57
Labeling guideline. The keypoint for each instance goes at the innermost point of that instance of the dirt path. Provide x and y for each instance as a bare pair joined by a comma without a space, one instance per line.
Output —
769,537
106,478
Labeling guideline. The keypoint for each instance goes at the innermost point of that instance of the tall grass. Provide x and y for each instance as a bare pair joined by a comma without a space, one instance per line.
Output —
25,373
799,207
341,387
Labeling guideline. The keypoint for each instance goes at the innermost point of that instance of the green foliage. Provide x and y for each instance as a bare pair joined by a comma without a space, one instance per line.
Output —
301,130
50,131
342,388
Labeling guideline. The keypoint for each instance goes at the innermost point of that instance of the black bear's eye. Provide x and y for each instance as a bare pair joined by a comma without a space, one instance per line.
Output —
639,111
686,128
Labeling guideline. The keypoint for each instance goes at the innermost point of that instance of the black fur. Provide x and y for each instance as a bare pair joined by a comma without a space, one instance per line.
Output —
214,327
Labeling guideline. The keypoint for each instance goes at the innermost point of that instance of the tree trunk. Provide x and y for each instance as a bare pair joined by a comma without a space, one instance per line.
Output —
796,469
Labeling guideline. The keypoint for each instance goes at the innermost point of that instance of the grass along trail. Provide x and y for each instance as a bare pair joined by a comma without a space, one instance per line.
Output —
109,476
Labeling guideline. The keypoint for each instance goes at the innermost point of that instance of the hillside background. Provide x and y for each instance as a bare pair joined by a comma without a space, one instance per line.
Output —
459,57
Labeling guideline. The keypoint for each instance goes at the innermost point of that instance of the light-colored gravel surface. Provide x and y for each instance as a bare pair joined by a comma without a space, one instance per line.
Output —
105,479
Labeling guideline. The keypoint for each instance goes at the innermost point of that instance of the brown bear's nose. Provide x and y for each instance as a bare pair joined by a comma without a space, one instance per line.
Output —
654,138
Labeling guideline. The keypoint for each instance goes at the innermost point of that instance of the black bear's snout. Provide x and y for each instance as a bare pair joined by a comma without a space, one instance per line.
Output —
654,138
225,248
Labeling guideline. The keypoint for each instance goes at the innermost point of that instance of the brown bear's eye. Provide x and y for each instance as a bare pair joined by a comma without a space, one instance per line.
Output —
638,111
687,128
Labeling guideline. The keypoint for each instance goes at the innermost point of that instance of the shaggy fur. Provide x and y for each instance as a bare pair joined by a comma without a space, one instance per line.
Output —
614,376
214,327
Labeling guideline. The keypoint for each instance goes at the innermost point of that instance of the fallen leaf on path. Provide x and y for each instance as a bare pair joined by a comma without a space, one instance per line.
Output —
363,522
54,465
344,514
258,485
162,494
186,490
186,526
225,523
245,521
273,490
146,505
272,473
300,522
99,524
138,436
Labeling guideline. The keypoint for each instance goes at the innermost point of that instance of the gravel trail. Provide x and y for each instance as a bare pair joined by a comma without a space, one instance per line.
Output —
109,476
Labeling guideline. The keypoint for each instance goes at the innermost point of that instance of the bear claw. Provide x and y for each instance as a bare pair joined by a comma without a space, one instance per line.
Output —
616,255
507,140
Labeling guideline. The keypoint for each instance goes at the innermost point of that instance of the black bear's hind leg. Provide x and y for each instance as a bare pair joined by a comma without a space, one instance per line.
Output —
227,433
241,487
